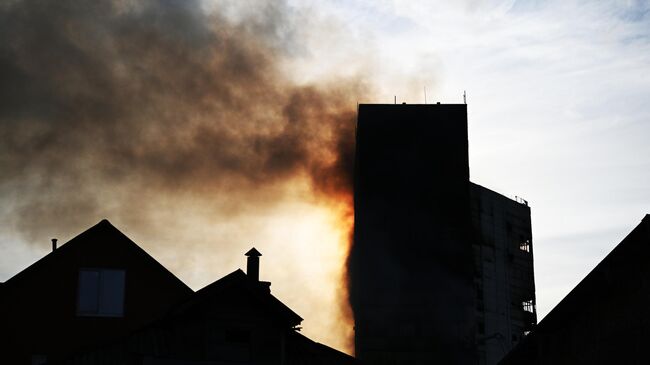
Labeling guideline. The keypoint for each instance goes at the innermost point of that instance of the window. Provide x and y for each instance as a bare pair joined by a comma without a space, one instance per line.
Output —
524,245
101,293
529,306
39,359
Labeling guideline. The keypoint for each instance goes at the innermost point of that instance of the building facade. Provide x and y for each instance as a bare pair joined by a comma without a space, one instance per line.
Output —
503,267
433,264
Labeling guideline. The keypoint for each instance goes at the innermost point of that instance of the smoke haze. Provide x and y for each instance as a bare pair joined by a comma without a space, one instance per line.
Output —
178,124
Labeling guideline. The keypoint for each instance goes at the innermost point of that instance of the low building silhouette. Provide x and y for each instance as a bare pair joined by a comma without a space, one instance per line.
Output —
441,269
603,319
100,299
97,287
233,320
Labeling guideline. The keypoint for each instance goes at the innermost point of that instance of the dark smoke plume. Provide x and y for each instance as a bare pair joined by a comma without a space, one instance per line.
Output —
117,103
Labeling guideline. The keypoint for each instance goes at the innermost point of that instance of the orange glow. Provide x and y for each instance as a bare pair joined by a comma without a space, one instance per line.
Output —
343,212
304,243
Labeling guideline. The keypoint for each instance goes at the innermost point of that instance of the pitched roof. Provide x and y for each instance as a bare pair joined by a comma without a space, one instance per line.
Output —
103,233
620,259
302,350
256,290
624,262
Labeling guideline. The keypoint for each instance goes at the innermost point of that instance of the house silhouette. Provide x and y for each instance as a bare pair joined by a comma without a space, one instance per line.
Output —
101,299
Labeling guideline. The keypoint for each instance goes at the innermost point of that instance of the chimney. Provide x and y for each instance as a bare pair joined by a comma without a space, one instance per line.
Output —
253,264
54,244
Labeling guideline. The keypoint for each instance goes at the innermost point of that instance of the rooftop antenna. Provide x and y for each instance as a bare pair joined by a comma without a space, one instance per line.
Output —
464,97
425,94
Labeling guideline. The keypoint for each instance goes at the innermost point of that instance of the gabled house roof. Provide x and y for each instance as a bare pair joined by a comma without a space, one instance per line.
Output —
256,291
39,310
102,234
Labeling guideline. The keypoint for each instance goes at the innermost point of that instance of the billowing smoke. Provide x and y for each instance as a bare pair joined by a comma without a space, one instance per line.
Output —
118,106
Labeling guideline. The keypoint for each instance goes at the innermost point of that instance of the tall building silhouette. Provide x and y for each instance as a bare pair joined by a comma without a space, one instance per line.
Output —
432,256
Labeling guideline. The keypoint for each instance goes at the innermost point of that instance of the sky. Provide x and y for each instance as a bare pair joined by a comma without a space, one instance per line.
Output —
557,95
202,128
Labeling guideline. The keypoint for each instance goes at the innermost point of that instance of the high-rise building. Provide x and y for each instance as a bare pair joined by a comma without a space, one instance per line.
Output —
422,288
503,272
